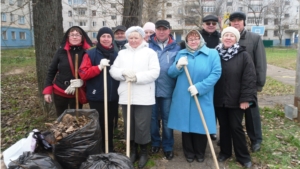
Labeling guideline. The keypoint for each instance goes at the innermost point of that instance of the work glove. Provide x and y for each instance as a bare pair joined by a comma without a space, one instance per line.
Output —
103,64
76,83
181,62
128,73
193,90
130,79
70,90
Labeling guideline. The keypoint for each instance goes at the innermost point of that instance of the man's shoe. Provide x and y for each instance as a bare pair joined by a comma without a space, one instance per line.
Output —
255,147
169,155
222,158
213,137
200,160
154,150
247,165
190,160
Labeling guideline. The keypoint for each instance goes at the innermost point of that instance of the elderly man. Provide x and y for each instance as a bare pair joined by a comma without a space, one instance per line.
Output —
120,39
255,47
166,48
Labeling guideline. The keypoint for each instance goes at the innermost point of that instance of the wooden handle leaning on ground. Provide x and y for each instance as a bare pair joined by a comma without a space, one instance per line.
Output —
105,109
203,120
76,77
128,120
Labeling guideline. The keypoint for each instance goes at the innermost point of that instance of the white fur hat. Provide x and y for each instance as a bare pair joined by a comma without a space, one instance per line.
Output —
135,29
231,30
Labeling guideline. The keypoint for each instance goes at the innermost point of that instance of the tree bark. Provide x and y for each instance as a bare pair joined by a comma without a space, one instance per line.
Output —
132,13
48,33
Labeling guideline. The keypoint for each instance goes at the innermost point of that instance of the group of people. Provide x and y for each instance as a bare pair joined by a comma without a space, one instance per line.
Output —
227,70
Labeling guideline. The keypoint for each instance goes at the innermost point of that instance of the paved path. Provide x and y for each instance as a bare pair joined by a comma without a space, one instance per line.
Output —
179,162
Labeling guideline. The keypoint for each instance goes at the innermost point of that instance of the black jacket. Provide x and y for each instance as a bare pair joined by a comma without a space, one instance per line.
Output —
237,83
212,40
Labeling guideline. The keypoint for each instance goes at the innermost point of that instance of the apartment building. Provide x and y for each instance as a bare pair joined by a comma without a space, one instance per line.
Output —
16,29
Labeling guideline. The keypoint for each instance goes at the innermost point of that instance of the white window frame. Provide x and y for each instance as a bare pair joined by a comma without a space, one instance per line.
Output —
82,23
69,13
11,2
94,34
4,35
12,17
22,35
94,23
3,17
13,35
70,24
21,20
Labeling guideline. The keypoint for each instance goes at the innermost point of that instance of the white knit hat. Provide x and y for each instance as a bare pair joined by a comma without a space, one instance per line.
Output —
135,29
149,26
231,30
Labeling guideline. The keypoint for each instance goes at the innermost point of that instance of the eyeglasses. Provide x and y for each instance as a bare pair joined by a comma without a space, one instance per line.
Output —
210,23
192,40
75,35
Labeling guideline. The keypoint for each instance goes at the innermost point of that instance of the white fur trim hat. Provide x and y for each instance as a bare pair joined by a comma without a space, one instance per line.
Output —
135,29
149,26
231,30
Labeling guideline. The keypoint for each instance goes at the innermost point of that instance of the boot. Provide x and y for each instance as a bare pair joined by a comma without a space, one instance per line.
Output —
143,155
133,151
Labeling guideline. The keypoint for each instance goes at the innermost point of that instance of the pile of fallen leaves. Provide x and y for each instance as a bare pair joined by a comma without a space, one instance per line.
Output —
68,125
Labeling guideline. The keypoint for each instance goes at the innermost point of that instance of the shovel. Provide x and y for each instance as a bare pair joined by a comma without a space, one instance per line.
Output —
105,109
202,118
128,120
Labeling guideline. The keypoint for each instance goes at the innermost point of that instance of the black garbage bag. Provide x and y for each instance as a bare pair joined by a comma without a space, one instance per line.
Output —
74,149
107,161
30,160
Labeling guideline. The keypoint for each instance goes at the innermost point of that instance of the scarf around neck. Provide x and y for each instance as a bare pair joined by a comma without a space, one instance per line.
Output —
228,53
107,52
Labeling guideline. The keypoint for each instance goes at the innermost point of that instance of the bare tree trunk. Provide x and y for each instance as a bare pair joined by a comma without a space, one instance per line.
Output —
132,13
48,32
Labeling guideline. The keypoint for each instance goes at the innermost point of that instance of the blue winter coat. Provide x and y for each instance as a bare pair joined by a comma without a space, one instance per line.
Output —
164,85
204,67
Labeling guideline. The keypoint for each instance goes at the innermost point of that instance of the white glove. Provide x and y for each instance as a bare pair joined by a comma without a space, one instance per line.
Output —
128,73
181,62
103,63
130,79
76,83
193,90
70,90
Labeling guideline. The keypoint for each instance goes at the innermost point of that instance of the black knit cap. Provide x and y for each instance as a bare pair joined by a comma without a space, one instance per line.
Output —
210,18
239,15
104,30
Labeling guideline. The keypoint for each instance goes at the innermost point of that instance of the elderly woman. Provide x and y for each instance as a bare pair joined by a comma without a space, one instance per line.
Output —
138,65
149,29
234,92
60,74
91,70
204,67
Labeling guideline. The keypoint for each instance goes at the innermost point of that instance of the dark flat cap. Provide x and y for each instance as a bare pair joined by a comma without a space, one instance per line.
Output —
239,15
120,27
163,23
210,18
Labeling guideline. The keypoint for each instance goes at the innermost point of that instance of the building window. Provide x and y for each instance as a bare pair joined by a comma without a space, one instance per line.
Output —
70,2
286,15
81,11
11,2
12,17
169,4
266,21
266,33
275,32
22,35
287,2
94,35
104,23
3,17
70,24
113,17
3,1
21,20
20,3
13,35
79,2
208,9
93,12
92,2
255,8
251,20
103,12
4,36
229,3
94,24
179,22
240,9
113,5
82,23
275,21
180,10
70,13
169,16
